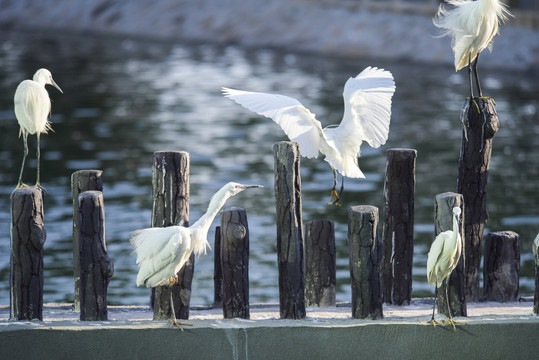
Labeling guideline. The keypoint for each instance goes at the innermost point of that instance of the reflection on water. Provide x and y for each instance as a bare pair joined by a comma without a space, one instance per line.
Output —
123,100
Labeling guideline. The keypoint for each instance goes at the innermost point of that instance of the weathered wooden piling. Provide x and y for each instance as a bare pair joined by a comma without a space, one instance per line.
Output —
480,124
217,270
289,230
96,267
81,181
320,263
535,250
28,236
366,255
501,266
452,287
398,232
170,179
235,263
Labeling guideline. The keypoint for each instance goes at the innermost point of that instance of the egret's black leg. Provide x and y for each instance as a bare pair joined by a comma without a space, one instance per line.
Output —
470,75
342,186
25,141
450,320
38,156
432,321
173,321
477,76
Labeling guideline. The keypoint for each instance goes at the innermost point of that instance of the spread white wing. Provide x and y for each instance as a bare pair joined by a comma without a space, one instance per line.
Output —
298,123
367,113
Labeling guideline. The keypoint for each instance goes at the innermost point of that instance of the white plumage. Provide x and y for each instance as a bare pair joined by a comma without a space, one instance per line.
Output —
471,25
443,257
32,108
162,252
367,113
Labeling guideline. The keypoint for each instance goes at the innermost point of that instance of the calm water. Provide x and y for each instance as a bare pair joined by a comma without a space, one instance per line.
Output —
124,99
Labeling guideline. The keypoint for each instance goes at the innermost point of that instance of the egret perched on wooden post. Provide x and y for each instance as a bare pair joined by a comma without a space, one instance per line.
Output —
471,26
32,109
367,112
162,251
443,258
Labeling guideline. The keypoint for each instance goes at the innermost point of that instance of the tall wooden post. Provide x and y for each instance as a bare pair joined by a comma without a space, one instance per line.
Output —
398,233
96,268
81,181
289,230
501,266
217,271
365,262
454,286
480,125
170,179
320,263
535,250
26,262
235,263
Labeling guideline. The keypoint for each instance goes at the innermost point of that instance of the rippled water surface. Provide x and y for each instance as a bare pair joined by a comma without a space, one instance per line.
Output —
125,99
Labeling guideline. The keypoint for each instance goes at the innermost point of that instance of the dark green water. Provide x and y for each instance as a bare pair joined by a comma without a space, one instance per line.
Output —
125,99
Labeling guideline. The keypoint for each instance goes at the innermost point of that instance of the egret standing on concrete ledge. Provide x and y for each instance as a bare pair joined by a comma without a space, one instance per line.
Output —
471,26
367,112
32,109
443,258
162,252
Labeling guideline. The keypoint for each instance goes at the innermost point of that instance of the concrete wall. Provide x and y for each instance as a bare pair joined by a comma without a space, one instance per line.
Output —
271,339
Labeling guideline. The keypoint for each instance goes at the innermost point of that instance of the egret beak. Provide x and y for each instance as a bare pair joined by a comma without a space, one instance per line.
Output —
252,186
56,86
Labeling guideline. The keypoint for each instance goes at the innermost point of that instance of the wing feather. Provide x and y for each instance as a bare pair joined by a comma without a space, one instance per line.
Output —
157,251
298,123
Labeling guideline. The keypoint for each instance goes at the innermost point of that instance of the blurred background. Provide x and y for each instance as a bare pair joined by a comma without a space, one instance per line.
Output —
141,77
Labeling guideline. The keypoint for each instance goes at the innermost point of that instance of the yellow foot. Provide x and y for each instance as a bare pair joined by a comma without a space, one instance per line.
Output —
433,322
453,322
174,322
21,185
38,186
334,195
173,280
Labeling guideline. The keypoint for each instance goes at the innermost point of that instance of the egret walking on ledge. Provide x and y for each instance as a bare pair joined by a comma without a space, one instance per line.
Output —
471,26
367,112
162,252
443,258
32,109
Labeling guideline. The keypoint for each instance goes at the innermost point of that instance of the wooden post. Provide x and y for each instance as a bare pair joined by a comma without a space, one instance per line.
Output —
398,233
217,271
454,286
81,181
479,129
235,263
26,262
320,263
535,250
289,230
96,268
170,179
365,262
501,266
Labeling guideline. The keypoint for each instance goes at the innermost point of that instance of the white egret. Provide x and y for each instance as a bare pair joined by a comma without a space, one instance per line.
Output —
471,26
367,112
442,259
162,252
32,109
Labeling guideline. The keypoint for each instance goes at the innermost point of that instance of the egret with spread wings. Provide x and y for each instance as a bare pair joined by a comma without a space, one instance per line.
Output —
367,112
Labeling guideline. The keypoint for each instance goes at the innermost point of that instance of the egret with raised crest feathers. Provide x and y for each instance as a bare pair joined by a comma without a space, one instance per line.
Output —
32,108
162,251
471,25
367,112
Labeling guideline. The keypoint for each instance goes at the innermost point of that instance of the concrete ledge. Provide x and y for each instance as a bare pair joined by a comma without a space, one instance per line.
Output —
509,332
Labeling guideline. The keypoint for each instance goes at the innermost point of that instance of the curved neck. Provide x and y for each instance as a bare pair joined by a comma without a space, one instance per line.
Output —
216,203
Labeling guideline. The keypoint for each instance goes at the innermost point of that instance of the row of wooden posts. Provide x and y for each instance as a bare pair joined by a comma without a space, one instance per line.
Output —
380,267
